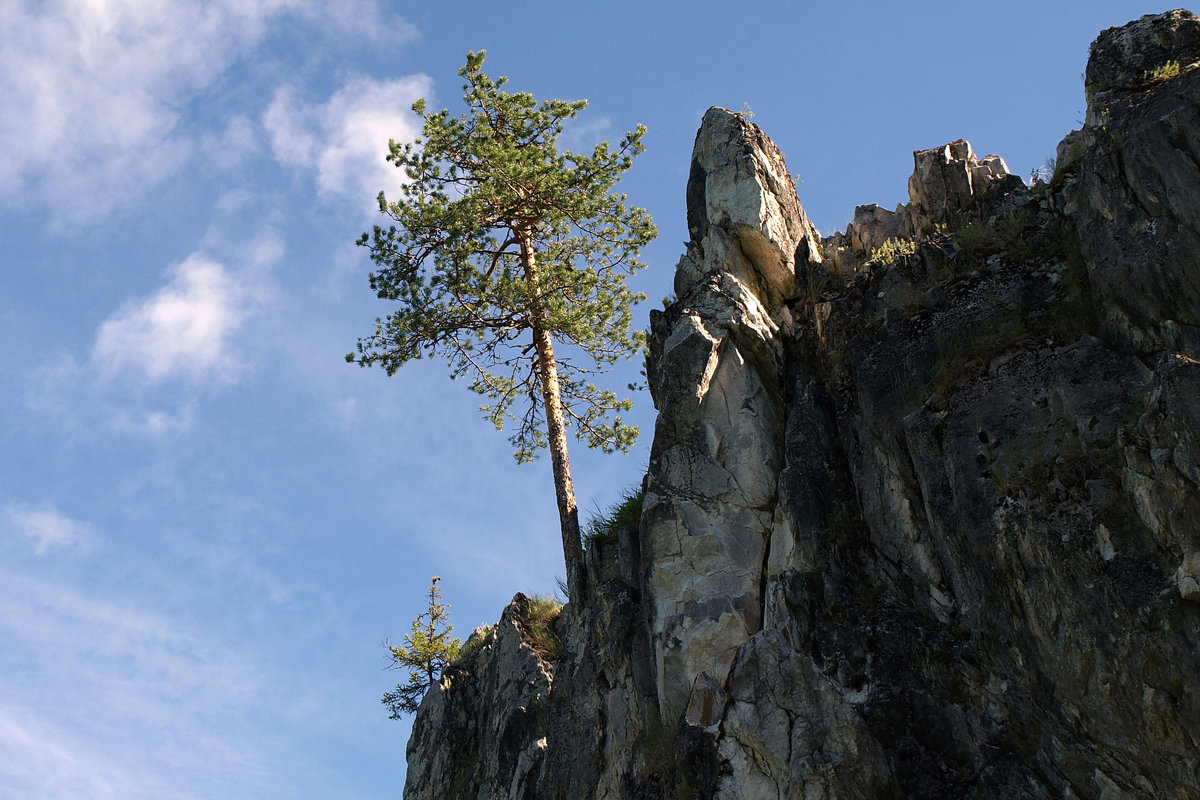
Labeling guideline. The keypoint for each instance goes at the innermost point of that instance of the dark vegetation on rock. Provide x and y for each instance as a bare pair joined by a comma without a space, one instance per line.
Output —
922,517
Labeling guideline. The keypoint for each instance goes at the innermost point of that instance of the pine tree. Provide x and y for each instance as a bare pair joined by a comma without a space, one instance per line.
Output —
427,650
503,249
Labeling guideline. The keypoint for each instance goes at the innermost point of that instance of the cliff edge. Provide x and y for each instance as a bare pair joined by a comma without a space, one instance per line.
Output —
922,515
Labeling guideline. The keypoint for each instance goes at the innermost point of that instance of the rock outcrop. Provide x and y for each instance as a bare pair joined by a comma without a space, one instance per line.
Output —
716,359
479,732
1136,196
922,517
948,188
743,212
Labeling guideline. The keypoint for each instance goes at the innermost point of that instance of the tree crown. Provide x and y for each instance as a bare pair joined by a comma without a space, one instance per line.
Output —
489,195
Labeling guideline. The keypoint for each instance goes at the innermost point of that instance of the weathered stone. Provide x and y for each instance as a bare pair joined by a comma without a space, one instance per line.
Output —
872,226
714,373
604,685
791,731
1136,204
948,187
714,366
740,184
947,182
1122,59
1162,460
706,702
480,731
1187,577
931,532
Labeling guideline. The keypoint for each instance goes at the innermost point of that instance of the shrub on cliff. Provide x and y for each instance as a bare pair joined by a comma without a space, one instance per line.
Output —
427,649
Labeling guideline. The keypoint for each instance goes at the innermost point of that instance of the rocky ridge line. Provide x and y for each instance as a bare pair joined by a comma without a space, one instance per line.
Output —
921,520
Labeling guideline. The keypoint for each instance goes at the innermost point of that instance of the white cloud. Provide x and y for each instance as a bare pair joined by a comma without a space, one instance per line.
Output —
582,135
183,329
155,422
94,90
113,699
48,529
233,146
42,761
345,138
345,410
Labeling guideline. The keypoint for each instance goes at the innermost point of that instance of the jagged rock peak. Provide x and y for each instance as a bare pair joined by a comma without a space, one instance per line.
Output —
740,192
1121,59
947,181
1129,181
946,190
490,695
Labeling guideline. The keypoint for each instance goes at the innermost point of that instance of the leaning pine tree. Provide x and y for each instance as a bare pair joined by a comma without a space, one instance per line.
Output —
504,248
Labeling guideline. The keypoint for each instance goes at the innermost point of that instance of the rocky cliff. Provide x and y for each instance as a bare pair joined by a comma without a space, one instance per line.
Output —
922,517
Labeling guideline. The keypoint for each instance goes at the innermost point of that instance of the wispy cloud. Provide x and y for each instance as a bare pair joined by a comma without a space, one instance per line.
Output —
107,699
155,422
95,90
155,356
184,329
47,528
344,139
42,758
582,135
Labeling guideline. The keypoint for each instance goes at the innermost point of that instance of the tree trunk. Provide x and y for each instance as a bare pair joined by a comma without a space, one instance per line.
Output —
556,430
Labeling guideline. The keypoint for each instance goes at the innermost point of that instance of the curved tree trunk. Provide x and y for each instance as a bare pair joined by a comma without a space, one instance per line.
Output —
556,430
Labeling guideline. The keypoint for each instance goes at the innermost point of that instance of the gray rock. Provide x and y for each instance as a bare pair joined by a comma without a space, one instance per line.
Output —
1136,201
1162,457
480,732
706,703
604,685
872,226
792,731
713,469
1187,577
947,183
933,531
1121,58
740,185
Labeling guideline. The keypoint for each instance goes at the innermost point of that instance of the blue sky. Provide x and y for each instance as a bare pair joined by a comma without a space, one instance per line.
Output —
208,521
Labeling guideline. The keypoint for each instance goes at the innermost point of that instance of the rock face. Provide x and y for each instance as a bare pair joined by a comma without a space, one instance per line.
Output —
946,183
921,521
1136,196
715,361
478,730
743,211
1122,59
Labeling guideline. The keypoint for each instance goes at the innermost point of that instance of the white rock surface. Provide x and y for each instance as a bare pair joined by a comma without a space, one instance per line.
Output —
741,186
715,375
1187,577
